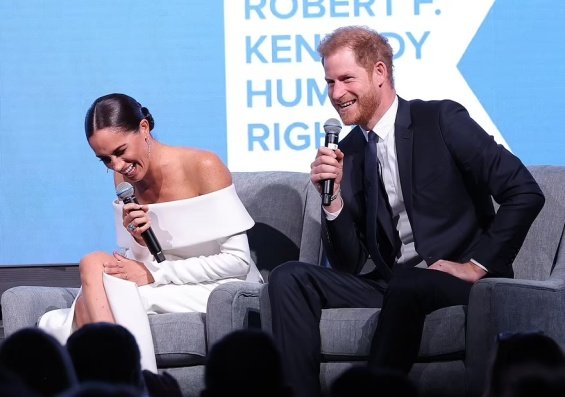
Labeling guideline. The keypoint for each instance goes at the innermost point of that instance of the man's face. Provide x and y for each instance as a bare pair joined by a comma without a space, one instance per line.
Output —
352,90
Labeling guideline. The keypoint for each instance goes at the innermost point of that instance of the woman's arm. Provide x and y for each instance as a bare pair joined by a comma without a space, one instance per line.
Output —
233,261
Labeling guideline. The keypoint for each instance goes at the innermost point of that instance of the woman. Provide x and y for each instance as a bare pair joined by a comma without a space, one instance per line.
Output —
185,196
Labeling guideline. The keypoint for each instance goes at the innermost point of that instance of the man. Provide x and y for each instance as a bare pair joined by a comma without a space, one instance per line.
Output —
418,202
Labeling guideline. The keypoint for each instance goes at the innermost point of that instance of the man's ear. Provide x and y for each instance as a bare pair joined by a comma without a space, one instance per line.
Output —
380,73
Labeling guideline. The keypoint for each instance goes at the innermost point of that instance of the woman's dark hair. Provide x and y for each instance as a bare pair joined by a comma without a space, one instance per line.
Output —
116,111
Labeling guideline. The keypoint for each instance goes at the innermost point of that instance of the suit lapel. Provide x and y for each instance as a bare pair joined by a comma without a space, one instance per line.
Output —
354,163
404,143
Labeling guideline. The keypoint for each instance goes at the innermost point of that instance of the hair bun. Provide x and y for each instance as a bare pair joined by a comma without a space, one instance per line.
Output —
147,116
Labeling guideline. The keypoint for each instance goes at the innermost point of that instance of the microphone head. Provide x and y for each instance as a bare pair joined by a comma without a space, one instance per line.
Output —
332,126
124,190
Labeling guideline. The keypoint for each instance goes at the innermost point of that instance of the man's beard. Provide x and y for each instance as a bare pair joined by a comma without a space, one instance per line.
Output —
368,105
366,108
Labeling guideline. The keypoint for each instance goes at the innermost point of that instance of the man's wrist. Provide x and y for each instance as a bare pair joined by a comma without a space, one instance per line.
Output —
478,270
334,209
336,194
477,264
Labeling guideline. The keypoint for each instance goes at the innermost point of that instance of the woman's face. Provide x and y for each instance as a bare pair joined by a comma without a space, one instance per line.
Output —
125,152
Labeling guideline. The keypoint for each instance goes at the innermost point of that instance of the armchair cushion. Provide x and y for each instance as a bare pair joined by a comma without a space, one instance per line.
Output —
347,333
23,306
179,338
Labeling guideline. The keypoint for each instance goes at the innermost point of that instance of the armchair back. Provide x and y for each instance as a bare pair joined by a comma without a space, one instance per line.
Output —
286,210
542,255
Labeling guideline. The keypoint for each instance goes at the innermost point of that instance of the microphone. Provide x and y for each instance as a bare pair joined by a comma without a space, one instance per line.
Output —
332,127
124,190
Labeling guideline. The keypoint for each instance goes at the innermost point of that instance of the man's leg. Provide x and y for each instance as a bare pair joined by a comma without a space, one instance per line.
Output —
298,293
412,294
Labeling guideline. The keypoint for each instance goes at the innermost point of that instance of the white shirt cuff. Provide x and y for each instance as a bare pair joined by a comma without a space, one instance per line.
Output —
478,264
330,216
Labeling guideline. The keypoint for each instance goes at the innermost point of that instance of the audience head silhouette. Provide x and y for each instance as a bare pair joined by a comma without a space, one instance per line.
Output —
533,380
363,381
525,360
38,360
244,363
12,386
105,352
161,385
102,389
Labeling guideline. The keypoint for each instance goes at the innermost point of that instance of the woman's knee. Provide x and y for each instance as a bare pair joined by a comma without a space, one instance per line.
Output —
92,265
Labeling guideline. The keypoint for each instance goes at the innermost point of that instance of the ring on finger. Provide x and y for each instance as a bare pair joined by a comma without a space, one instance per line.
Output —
131,227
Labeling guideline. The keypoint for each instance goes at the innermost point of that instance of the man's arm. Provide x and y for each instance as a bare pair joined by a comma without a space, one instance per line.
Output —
340,233
493,167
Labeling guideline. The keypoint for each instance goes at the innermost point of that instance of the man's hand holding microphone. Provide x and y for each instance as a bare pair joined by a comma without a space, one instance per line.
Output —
326,170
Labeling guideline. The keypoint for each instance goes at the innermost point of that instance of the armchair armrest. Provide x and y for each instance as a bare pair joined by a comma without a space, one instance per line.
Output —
23,306
509,305
229,308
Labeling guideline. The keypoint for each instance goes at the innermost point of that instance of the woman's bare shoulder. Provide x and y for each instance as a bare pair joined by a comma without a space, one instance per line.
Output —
206,169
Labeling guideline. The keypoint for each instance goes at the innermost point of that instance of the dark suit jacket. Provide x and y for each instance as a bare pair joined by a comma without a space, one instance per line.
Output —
450,169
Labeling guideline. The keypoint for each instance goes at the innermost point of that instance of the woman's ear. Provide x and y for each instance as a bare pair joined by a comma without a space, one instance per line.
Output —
144,128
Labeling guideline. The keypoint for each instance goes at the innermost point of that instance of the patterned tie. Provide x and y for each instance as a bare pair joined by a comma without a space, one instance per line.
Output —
378,207
372,182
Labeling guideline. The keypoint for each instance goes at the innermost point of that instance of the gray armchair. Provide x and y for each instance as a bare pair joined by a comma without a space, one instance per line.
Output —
458,341
286,210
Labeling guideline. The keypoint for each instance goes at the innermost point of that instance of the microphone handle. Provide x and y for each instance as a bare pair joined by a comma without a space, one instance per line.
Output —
327,192
328,184
153,245
149,237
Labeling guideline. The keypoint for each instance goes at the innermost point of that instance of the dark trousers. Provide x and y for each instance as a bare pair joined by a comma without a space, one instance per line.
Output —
298,292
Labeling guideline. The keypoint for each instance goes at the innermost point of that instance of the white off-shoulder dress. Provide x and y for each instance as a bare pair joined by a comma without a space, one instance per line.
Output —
205,244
